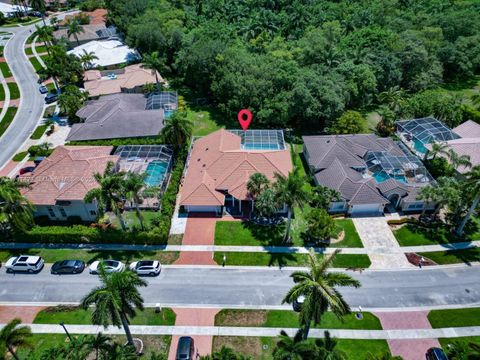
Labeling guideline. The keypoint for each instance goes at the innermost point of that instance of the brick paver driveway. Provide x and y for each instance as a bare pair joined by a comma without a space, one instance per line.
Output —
199,231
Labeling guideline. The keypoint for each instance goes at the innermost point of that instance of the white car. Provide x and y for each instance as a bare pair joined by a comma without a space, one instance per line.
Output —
146,267
109,266
24,263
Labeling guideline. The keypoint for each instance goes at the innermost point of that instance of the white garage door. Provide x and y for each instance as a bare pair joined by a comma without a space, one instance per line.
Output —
366,209
197,208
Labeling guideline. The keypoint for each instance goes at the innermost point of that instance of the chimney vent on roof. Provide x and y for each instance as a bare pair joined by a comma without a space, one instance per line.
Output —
206,149
198,159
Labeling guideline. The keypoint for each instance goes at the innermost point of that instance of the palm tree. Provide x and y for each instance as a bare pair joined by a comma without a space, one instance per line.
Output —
45,34
318,287
99,343
256,184
86,59
155,63
474,351
74,28
427,194
289,191
472,182
116,300
438,148
394,98
14,207
178,129
14,336
132,186
327,348
109,193
295,348
39,5
118,352
458,160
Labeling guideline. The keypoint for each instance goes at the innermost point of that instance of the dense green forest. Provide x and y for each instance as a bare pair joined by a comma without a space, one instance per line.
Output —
303,63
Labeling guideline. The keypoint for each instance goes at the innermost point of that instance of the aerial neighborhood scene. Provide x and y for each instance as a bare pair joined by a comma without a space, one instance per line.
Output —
240,179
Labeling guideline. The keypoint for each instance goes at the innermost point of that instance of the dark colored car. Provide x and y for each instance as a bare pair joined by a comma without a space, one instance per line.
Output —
68,267
50,98
297,303
185,349
436,354
43,89
38,160
27,169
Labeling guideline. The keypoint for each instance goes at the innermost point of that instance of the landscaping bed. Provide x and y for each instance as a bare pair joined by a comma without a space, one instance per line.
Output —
454,318
289,319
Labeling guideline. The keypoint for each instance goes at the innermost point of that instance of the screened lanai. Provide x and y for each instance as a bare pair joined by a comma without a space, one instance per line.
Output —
261,139
417,133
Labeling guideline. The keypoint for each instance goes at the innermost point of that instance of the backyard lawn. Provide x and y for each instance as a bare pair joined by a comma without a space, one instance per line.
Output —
131,219
289,319
203,119
454,317
453,256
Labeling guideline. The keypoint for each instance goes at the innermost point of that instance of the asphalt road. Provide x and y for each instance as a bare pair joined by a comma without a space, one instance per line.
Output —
256,287
31,105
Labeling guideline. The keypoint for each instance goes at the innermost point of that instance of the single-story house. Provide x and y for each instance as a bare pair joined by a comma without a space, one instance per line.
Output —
369,172
10,10
60,182
130,79
97,17
220,164
117,116
108,52
90,32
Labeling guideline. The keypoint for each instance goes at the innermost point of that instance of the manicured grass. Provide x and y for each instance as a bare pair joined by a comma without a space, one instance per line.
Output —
272,259
39,131
131,219
20,156
2,93
454,256
28,51
203,120
289,319
74,315
7,119
41,49
36,64
1,50
14,91
444,342
5,69
351,236
454,317
128,256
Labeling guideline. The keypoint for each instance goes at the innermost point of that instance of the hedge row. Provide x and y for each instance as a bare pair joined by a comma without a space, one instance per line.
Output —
402,221
118,142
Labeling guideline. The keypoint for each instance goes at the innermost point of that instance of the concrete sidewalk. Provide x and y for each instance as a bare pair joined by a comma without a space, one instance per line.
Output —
259,331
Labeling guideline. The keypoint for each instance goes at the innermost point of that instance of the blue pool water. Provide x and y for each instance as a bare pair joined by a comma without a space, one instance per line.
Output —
418,145
168,113
254,146
155,171
382,176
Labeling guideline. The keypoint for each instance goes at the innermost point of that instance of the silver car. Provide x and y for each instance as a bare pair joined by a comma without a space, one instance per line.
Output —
24,263
109,266
146,267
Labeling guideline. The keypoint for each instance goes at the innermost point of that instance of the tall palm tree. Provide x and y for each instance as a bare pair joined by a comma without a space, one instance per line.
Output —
13,336
116,300
39,5
472,182
155,63
293,348
318,287
116,351
427,194
45,34
178,129
327,348
132,188
14,207
74,28
289,191
109,194
458,160
99,343
438,148
256,184
86,59
394,98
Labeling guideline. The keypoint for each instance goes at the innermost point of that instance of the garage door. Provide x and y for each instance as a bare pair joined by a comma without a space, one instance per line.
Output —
366,209
212,209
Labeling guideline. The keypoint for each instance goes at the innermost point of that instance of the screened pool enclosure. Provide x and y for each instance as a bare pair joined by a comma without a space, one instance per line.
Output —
261,139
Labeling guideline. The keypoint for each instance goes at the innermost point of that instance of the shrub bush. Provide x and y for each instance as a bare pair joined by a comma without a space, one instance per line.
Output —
402,221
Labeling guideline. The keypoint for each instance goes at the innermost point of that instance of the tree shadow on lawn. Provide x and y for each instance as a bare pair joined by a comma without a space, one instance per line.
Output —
442,234
267,235
466,256
283,259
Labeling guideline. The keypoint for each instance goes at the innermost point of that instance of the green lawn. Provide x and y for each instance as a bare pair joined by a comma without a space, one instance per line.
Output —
289,319
52,255
28,51
14,91
20,156
5,69
7,119
131,219
51,88
41,49
454,256
444,342
36,64
203,120
2,93
1,50
454,317
75,316
352,239
273,259
39,131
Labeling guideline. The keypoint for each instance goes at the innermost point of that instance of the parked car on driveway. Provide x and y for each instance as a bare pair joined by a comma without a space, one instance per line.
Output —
50,98
68,267
27,169
185,348
109,266
43,89
146,267
436,354
24,263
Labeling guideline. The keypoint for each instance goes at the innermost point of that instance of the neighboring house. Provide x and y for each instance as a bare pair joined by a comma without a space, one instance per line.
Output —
118,116
108,52
369,173
90,32
97,17
468,143
60,182
220,164
130,79
9,10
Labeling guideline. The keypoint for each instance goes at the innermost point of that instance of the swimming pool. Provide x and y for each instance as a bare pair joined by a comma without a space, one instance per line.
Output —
382,176
168,113
155,171
418,145
259,146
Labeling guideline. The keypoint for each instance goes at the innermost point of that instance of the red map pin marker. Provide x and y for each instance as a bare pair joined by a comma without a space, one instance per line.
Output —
244,118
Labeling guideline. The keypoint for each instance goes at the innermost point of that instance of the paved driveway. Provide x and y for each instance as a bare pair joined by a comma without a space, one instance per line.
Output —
199,231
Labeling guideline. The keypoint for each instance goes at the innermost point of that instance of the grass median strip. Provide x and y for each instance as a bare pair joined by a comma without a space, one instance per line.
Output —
289,319
275,259
5,69
19,157
466,256
454,318
14,91
39,131
36,64
7,119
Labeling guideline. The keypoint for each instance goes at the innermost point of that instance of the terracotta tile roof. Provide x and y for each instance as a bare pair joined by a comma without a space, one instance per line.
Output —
97,17
469,129
67,174
217,165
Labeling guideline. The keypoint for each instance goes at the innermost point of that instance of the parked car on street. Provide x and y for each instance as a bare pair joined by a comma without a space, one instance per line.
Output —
68,267
146,267
27,169
185,348
109,266
436,354
43,89
24,263
298,302
50,98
